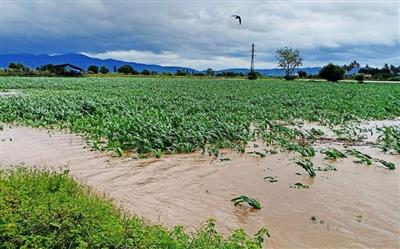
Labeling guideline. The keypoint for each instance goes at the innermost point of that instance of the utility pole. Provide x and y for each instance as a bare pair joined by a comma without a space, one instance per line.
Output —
252,74
252,58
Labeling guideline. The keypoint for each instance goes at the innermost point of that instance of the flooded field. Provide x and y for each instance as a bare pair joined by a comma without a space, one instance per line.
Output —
345,205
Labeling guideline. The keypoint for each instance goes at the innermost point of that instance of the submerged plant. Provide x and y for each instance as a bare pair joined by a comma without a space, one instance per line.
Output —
327,168
363,158
308,166
251,201
390,139
257,153
314,133
333,154
299,185
271,178
387,164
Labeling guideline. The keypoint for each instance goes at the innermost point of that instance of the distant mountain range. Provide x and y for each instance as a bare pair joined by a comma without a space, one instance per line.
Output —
84,62
81,61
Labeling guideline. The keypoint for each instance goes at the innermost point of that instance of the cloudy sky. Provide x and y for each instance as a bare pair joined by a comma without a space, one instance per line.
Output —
203,34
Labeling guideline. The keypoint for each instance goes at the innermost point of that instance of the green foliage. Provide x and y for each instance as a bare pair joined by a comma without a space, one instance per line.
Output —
307,166
332,72
178,115
145,72
127,69
288,59
360,77
93,69
17,67
251,201
387,164
302,74
333,154
363,158
390,139
210,72
49,210
252,75
104,70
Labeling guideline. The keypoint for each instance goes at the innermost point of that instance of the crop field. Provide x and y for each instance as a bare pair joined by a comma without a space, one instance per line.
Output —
293,156
174,115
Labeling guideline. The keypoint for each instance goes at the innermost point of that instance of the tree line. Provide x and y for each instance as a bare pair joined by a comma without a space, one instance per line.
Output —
289,60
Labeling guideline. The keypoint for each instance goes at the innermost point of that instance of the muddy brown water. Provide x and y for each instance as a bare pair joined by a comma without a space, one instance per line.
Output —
357,206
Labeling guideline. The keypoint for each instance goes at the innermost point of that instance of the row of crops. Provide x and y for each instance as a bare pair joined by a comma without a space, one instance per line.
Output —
172,115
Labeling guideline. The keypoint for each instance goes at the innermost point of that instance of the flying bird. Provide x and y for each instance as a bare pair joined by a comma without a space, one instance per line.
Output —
239,18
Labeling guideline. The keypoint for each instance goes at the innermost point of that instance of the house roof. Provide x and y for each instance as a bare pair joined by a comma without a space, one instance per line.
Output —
67,65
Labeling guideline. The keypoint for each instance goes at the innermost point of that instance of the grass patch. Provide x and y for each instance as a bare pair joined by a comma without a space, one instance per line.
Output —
41,209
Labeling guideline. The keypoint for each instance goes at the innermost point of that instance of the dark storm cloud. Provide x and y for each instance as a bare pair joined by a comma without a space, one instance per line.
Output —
202,33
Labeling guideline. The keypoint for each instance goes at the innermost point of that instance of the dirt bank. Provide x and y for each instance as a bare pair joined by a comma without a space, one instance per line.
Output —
355,206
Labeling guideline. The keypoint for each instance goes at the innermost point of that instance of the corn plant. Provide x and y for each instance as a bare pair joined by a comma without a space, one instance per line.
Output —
271,179
250,201
390,139
183,115
387,164
333,154
363,158
308,166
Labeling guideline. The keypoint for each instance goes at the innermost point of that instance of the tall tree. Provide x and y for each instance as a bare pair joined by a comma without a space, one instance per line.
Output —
93,68
288,59
104,70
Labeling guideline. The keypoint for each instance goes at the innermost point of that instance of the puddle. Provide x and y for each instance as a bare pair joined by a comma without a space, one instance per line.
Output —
356,206
11,93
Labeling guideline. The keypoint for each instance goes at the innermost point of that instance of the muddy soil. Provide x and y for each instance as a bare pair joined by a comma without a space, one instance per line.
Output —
357,206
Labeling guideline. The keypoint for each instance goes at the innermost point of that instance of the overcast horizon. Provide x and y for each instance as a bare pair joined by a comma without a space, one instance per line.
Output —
203,34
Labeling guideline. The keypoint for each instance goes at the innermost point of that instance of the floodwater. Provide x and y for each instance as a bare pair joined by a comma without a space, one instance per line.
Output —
11,93
357,206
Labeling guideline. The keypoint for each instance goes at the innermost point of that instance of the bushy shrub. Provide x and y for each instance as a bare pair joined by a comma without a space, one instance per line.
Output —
360,77
252,75
302,74
397,78
289,77
332,72
104,70
93,69
145,72
127,69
